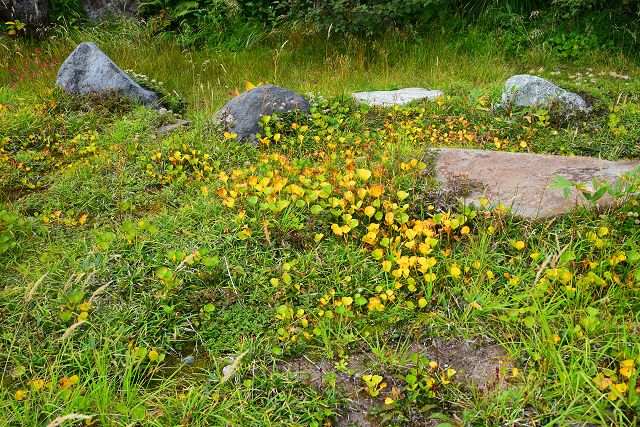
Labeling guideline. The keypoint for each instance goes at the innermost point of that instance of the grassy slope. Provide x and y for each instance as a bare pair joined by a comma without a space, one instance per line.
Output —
168,262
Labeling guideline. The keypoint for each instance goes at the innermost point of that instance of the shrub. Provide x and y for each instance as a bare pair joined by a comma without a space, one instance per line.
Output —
365,17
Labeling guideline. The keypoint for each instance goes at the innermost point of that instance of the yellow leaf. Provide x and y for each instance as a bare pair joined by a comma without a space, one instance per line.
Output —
455,271
627,371
377,253
248,85
376,190
621,388
364,174
153,355
37,384
389,218
388,401
286,278
369,211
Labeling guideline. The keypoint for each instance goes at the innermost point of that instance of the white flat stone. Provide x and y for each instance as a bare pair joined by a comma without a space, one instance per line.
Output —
388,98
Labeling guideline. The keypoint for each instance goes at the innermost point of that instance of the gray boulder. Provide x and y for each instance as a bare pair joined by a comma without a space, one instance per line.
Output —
387,98
100,10
31,12
242,114
524,90
89,70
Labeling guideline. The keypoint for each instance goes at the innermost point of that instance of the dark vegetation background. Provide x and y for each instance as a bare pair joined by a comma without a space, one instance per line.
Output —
570,26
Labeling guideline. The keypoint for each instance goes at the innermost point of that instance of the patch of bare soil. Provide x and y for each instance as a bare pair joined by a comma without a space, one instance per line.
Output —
316,373
479,364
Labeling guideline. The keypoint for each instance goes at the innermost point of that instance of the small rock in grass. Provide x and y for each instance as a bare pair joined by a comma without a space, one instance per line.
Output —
228,370
88,70
173,126
387,98
242,114
187,360
524,90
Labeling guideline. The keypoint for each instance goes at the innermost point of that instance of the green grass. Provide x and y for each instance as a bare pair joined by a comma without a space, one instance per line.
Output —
120,258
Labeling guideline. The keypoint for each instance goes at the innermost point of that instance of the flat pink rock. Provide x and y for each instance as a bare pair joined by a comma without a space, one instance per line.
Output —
522,180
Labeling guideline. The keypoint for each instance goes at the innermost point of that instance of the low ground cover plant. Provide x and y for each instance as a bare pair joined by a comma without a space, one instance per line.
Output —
188,279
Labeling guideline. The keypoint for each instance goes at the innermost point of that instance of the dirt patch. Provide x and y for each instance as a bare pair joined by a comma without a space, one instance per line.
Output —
479,365
320,373
10,195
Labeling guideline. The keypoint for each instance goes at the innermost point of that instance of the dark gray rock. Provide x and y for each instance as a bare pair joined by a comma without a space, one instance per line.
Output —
101,10
31,12
89,70
524,90
242,114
